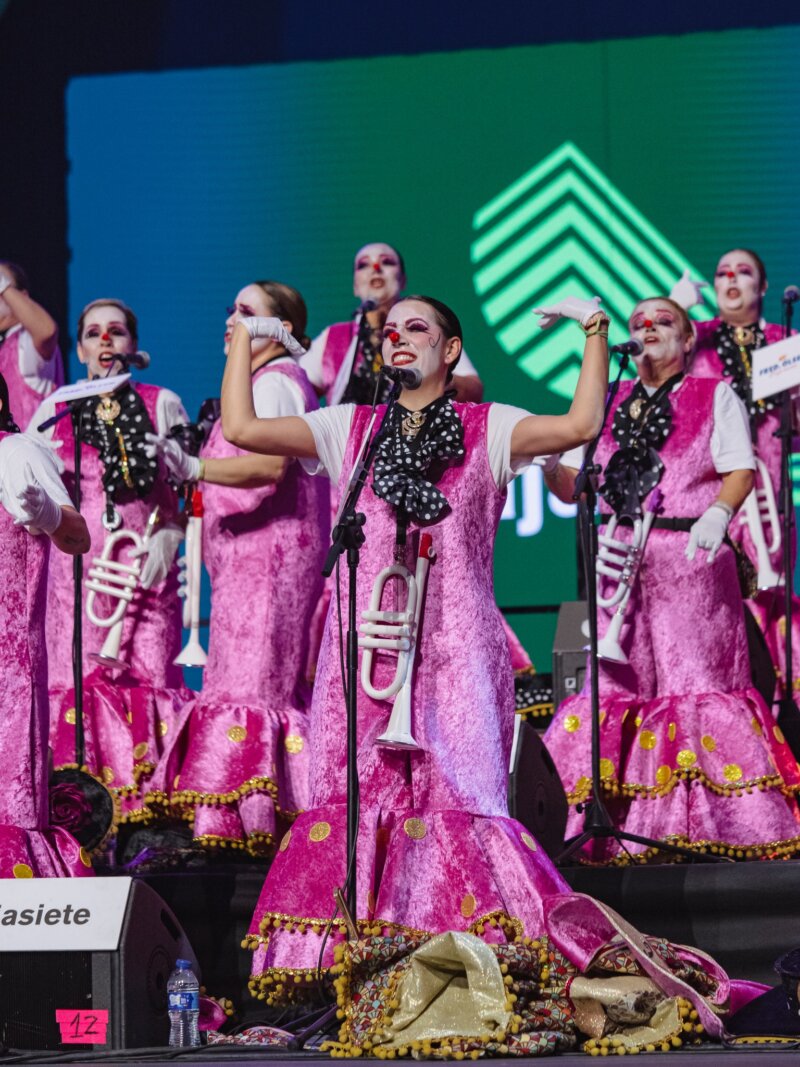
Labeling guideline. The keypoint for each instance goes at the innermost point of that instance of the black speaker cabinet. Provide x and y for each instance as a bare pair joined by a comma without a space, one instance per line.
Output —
130,982
536,797
569,651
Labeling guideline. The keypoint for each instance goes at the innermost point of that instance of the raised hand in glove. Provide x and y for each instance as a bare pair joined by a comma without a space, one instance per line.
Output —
709,531
159,552
273,328
686,291
181,466
572,307
42,514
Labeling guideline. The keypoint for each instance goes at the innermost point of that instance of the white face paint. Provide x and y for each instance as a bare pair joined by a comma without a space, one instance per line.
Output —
739,287
250,301
413,338
377,274
659,327
105,334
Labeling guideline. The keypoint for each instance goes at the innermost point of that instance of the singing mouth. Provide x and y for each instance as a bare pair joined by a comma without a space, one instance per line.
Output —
107,359
733,292
401,359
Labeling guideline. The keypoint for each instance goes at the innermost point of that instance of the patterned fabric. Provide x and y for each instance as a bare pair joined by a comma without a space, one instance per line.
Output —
735,345
366,371
115,426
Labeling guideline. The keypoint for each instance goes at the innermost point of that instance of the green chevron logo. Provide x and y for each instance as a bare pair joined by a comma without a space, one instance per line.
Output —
561,229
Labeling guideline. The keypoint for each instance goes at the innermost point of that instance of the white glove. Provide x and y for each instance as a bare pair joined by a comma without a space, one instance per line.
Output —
687,292
42,514
571,308
709,531
259,326
181,466
160,551
5,281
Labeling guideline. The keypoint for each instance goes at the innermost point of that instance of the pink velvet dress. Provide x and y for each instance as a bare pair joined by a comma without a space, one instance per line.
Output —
23,399
690,752
768,606
127,714
240,752
436,850
29,848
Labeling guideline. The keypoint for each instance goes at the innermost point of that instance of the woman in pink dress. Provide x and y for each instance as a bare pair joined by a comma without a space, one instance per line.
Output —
690,753
437,850
30,360
240,750
130,702
724,350
34,510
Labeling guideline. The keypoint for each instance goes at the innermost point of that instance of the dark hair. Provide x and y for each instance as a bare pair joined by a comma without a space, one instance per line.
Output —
6,418
288,304
130,319
19,275
447,320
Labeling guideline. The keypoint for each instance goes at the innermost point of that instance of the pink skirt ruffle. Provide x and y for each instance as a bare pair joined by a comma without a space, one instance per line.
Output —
234,770
125,727
418,871
41,854
710,771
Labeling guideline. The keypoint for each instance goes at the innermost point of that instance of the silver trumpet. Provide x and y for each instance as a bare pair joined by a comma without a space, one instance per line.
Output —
193,654
759,514
396,631
619,561
110,577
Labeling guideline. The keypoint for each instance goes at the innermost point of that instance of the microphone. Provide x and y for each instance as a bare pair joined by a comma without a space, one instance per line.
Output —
135,359
408,377
631,347
790,294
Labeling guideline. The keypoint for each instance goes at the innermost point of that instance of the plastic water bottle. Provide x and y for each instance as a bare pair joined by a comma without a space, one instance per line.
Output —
183,1000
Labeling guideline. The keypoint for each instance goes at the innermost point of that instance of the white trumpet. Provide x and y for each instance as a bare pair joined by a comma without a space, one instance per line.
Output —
759,514
118,580
193,654
396,631
620,561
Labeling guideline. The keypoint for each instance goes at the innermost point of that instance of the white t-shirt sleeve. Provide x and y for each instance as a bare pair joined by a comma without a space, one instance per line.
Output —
42,375
465,367
574,457
500,426
731,445
311,362
276,396
21,460
331,428
169,411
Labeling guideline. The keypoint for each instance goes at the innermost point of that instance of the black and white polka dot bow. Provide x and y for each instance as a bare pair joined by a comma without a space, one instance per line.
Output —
405,469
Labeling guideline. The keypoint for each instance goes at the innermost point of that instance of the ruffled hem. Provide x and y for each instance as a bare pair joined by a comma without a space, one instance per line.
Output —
52,853
773,850
670,778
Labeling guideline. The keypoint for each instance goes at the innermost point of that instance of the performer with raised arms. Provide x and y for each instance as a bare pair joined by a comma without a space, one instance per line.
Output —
242,746
436,847
689,753
29,357
133,690
35,511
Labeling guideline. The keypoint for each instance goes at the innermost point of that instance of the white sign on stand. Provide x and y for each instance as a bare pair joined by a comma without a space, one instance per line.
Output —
62,914
776,367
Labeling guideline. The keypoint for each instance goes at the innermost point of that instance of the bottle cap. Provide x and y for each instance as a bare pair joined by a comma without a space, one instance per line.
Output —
183,965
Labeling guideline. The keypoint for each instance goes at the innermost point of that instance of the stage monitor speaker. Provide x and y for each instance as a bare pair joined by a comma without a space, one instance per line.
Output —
536,797
127,977
569,651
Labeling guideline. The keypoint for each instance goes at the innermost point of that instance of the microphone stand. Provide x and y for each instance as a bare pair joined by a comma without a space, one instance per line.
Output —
348,537
597,823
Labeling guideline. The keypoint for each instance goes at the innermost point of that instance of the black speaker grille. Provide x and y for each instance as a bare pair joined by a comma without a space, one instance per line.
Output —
33,986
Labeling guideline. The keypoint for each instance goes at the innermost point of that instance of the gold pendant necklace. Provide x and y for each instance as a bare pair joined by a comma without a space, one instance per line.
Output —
413,423
635,409
744,336
108,409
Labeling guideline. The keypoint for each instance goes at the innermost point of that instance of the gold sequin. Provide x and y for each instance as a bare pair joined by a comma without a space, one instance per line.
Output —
606,768
22,870
69,716
672,731
163,728
663,774
732,772
293,743
777,733
139,750
686,758
319,831
175,781
757,730
370,901
603,717
782,626
468,906
582,783
625,715
108,775
572,723
237,734
528,841
415,828
708,743
287,837
85,858
647,740
638,721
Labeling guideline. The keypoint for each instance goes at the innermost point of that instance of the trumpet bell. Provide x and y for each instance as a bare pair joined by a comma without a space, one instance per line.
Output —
114,662
398,730
192,654
611,650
